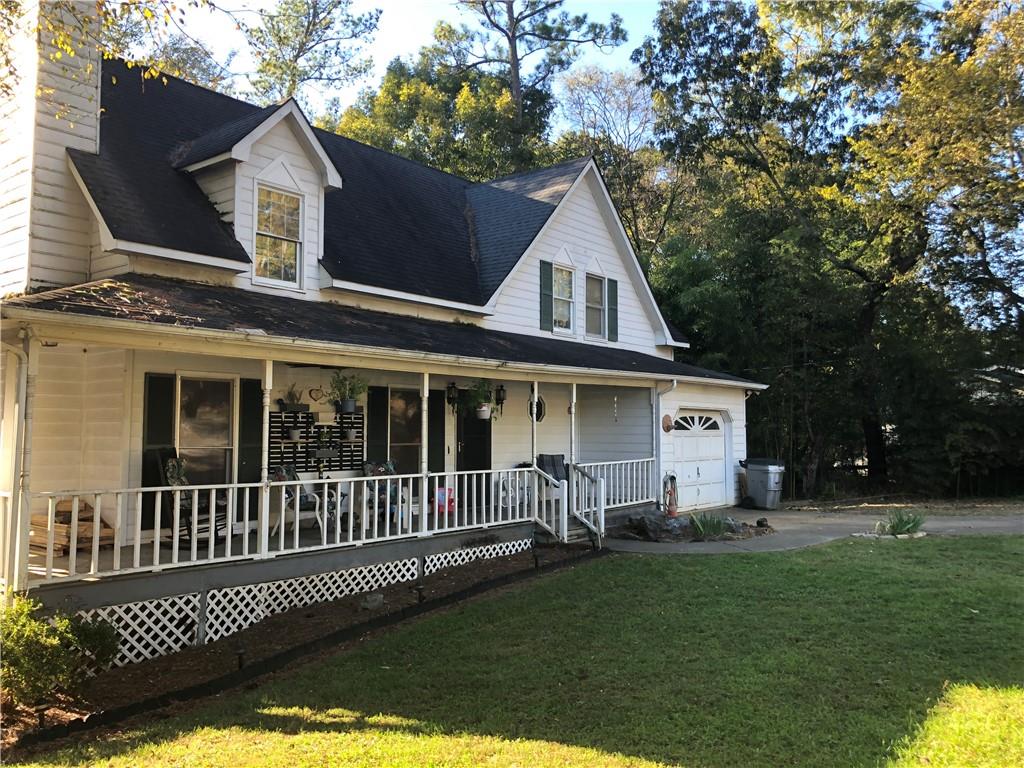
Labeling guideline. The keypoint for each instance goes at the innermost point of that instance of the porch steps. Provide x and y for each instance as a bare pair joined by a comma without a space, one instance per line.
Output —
39,533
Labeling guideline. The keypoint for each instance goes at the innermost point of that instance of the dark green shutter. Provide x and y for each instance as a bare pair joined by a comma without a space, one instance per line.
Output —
546,301
613,310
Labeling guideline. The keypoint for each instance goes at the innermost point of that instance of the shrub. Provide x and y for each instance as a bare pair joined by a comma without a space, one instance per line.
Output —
707,527
900,522
40,656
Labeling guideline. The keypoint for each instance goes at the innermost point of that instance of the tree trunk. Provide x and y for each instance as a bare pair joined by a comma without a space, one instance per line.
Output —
874,449
515,78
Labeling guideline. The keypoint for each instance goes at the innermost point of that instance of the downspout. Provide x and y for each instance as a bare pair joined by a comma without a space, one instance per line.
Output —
28,365
658,472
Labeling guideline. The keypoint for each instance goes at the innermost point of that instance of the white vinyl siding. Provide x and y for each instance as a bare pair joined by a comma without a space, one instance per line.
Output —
614,423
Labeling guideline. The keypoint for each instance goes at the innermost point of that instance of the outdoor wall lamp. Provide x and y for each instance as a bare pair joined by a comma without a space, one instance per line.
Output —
500,395
451,396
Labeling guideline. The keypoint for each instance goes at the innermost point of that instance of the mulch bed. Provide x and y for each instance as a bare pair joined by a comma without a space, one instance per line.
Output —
193,666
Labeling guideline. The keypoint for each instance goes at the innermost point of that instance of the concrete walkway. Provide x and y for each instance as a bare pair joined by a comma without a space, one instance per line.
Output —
796,530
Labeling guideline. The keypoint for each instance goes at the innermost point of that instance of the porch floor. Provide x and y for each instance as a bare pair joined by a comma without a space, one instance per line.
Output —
242,546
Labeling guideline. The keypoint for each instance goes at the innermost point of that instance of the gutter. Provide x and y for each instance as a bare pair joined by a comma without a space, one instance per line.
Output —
263,341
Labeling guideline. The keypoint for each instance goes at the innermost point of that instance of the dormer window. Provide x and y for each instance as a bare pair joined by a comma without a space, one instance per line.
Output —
278,237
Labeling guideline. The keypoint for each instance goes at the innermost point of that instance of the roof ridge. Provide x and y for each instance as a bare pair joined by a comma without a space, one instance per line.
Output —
517,174
417,163
182,80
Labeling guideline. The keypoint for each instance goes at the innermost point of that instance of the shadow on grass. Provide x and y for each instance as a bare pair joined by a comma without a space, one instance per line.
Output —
828,656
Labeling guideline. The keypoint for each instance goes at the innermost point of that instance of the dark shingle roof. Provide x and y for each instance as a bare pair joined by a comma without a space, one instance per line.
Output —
396,224
222,138
509,212
167,301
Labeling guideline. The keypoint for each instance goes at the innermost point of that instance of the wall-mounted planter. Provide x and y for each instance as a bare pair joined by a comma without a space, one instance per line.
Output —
295,433
326,453
292,407
345,406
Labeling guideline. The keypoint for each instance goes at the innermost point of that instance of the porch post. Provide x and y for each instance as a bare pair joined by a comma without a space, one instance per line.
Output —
572,423
263,518
424,451
24,501
533,423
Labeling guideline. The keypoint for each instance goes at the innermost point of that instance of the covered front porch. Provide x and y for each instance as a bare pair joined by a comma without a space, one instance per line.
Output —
140,460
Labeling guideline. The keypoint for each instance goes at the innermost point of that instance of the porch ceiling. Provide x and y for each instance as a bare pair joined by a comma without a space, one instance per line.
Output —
160,302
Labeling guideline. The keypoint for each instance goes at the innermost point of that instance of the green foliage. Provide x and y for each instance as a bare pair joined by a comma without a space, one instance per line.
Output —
707,527
481,393
41,656
901,522
293,395
314,43
346,387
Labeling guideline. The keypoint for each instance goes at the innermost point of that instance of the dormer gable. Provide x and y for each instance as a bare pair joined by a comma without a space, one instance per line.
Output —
235,140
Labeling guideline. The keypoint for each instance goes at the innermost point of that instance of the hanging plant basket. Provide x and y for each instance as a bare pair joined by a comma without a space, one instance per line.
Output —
483,411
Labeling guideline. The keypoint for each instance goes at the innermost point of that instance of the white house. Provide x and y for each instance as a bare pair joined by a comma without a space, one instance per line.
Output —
175,261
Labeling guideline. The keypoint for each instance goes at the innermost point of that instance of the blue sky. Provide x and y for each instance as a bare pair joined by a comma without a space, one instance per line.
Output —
406,25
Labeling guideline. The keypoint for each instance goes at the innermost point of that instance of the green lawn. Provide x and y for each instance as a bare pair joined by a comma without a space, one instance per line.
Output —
905,654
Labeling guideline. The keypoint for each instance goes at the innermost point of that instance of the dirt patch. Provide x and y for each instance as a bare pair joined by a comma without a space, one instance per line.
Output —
192,666
941,507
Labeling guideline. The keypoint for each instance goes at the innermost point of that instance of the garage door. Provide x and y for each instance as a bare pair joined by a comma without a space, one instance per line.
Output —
700,459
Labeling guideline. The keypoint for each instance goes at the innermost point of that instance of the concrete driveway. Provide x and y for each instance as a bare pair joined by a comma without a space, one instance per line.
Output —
795,530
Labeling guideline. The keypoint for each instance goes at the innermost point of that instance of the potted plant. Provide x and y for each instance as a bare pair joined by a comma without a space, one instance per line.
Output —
479,398
292,401
344,390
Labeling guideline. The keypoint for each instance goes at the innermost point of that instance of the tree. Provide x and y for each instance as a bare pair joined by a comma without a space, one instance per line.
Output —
461,122
776,89
513,34
308,43
612,116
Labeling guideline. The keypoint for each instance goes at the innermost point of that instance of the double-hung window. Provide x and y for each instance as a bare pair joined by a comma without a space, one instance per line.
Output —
595,306
563,307
278,236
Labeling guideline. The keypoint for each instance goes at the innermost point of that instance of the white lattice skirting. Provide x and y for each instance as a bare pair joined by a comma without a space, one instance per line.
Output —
435,563
233,609
154,628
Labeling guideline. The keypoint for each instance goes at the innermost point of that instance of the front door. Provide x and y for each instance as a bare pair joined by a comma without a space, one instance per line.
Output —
474,438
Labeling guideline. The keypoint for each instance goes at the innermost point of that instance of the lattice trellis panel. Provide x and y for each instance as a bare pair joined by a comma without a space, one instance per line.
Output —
151,628
434,563
233,609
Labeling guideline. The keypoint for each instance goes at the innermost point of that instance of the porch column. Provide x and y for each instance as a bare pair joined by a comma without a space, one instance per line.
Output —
424,451
534,394
23,480
572,423
263,518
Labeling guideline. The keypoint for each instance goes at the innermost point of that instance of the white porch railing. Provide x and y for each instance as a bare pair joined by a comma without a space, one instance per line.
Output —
626,482
88,534
588,499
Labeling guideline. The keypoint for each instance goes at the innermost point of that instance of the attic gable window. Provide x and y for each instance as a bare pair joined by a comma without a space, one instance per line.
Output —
562,310
278,238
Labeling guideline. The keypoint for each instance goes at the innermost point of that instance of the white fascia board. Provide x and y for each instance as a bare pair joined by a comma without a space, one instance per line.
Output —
414,298
290,108
106,238
263,344
143,249
645,288
208,162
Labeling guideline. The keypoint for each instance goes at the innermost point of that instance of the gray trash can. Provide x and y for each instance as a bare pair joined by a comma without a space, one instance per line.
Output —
764,481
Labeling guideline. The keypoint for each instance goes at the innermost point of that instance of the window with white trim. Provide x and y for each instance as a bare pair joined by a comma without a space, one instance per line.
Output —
563,306
278,236
595,306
